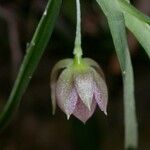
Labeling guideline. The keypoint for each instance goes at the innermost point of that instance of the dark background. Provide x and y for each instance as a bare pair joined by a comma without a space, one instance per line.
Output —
33,126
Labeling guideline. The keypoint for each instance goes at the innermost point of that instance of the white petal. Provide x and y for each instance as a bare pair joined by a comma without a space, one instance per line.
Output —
95,65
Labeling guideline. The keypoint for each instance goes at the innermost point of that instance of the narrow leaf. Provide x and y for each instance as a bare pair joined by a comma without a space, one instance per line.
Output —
31,60
117,27
128,8
138,27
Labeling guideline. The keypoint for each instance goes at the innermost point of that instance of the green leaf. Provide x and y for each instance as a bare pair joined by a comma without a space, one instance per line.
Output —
128,8
117,27
136,23
31,60
140,29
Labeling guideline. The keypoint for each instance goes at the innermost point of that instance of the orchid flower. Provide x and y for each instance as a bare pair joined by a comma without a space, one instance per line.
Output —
78,88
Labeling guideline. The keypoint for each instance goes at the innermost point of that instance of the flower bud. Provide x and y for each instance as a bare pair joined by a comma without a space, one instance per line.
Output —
78,88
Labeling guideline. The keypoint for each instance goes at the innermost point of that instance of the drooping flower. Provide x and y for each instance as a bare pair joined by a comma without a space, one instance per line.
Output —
78,88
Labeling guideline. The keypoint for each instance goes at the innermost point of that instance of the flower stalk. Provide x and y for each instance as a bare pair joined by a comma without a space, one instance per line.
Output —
77,45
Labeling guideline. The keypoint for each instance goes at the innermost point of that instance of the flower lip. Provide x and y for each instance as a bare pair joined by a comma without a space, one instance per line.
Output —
82,112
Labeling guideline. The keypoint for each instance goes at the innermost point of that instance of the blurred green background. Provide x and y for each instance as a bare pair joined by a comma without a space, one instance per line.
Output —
33,126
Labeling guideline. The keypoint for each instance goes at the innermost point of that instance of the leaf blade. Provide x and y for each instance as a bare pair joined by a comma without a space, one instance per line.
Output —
117,27
31,60
141,31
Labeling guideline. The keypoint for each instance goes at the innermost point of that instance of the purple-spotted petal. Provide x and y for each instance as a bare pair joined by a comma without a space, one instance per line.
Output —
100,92
100,100
54,75
70,104
82,112
65,92
85,87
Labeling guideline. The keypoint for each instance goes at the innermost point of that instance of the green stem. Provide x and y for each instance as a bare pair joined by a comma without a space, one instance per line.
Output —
77,47
31,60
